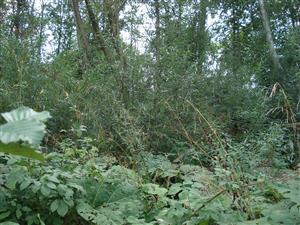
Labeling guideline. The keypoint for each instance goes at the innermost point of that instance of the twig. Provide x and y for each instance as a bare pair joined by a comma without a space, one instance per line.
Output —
212,198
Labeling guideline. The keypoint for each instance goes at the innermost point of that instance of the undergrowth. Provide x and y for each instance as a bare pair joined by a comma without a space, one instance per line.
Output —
80,185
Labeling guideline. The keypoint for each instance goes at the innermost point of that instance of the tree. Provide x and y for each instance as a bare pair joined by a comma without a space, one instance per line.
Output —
276,64
81,33
112,11
202,37
101,42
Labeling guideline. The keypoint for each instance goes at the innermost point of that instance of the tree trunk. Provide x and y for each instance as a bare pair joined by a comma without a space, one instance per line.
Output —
60,31
41,30
236,42
97,33
81,37
112,10
157,44
202,34
19,19
266,24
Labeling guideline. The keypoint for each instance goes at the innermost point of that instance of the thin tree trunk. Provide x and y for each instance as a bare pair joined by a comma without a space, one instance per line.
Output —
236,42
60,27
18,20
202,34
98,35
81,37
13,6
157,43
112,12
41,31
266,24
157,73
113,15
31,13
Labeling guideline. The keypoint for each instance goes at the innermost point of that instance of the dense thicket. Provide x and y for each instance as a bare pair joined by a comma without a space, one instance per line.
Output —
203,82
233,63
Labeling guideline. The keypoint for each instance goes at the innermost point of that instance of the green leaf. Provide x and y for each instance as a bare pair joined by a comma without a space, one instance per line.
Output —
25,113
62,208
9,223
18,213
293,192
21,150
261,221
53,179
62,189
25,184
51,185
281,213
36,186
135,221
54,205
23,124
154,189
204,222
4,215
16,176
30,131
174,189
45,190
86,211
69,202
77,187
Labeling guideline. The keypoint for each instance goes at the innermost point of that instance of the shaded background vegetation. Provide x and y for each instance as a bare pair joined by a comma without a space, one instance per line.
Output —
207,72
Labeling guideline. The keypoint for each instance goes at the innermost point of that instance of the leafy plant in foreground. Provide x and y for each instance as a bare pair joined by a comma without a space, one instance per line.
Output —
75,189
23,132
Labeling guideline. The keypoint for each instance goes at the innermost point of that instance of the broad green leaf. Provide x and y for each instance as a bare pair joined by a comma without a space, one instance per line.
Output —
9,223
62,208
86,211
64,191
36,186
21,150
77,187
174,189
154,189
69,202
261,221
204,222
23,125
53,179
4,215
135,221
25,113
294,191
45,190
51,185
54,205
25,184
16,176
281,213
123,192
18,213
30,131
